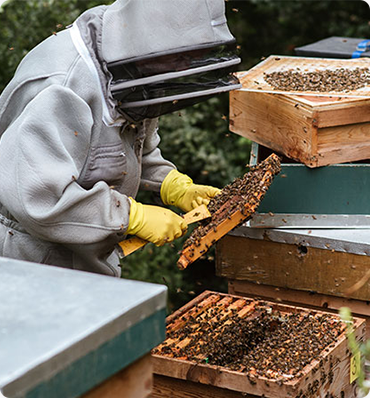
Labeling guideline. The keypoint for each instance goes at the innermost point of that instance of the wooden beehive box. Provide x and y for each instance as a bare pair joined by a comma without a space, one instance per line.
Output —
335,196
309,243
316,129
308,268
212,318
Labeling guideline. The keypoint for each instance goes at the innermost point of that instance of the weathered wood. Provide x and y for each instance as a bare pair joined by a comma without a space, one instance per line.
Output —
204,305
274,122
302,298
221,304
332,112
202,300
168,387
292,266
329,374
351,142
135,381
239,305
314,130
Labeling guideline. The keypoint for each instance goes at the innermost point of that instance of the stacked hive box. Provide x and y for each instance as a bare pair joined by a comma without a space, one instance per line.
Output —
317,269
294,266
310,242
315,130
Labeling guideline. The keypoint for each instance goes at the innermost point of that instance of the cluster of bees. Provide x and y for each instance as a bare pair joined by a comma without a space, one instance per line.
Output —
253,341
243,194
340,80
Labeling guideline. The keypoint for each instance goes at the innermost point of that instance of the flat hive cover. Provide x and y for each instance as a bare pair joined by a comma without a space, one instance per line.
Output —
333,47
51,317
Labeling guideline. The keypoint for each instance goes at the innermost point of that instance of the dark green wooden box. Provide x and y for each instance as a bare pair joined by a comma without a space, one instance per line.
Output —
330,196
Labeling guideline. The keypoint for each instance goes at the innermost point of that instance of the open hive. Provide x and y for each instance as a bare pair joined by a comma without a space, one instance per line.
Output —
314,111
310,76
257,347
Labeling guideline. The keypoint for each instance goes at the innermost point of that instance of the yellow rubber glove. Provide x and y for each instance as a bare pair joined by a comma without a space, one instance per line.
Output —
154,223
179,190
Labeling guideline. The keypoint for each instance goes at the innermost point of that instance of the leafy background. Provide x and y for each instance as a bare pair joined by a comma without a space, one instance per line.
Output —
197,139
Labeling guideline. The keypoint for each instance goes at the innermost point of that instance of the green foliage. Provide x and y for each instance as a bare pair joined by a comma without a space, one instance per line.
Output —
24,24
265,27
198,141
356,348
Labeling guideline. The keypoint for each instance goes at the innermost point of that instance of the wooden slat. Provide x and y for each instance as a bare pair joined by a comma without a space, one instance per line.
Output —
225,302
168,387
184,309
203,306
135,381
181,342
285,265
302,298
330,111
227,305
325,100
351,142
242,313
216,376
338,113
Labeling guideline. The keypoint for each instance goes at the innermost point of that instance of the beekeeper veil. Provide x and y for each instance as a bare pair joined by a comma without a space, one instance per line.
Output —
164,55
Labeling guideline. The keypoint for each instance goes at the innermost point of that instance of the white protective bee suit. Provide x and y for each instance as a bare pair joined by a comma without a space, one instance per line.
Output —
78,123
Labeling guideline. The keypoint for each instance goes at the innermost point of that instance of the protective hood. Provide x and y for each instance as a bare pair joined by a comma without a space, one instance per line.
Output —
163,55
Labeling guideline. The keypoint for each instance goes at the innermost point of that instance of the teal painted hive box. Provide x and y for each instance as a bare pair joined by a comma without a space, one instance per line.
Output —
63,332
335,196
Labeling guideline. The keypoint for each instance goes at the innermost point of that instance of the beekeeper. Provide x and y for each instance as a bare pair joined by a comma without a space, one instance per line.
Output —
78,125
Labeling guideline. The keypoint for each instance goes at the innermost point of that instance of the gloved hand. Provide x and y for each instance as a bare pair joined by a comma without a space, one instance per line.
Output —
154,223
179,190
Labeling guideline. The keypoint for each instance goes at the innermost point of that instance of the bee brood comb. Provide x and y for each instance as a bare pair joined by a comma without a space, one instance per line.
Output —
234,205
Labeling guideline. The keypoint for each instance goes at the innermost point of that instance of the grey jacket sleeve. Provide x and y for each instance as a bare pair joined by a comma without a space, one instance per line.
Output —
155,167
42,153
